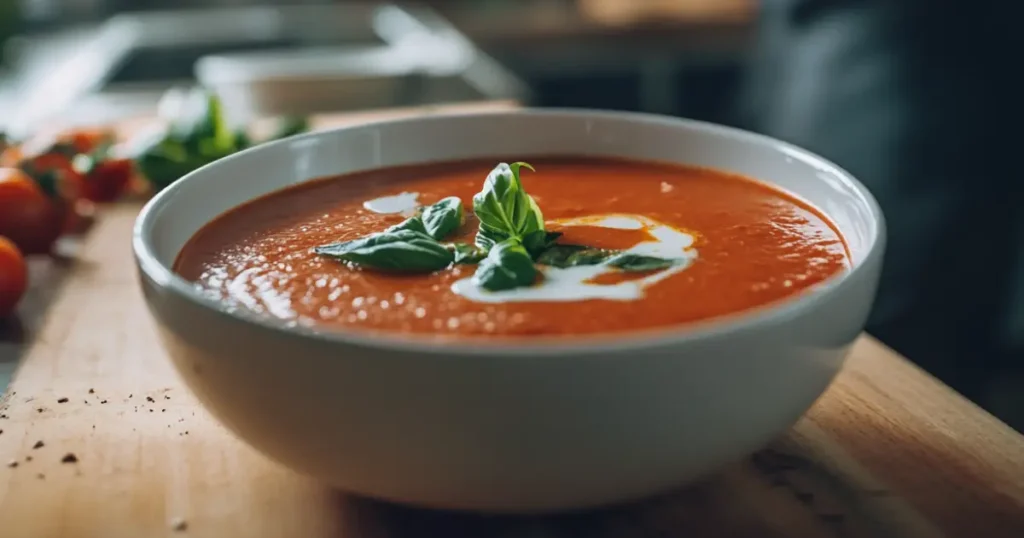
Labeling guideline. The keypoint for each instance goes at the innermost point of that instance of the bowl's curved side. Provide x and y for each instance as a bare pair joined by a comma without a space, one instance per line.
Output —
486,433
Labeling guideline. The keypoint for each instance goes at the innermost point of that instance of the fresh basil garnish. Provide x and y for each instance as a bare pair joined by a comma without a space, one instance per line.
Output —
510,239
538,241
437,220
487,239
443,218
637,263
535,242
507,266
504,209
563,256
407,251
412,223
467,254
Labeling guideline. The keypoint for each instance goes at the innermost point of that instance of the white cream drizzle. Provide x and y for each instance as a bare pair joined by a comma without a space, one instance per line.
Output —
575,283
404,203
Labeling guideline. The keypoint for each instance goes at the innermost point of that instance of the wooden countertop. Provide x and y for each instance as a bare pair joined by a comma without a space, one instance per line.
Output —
888,451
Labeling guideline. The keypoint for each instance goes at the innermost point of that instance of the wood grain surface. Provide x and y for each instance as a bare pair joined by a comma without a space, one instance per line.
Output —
887,452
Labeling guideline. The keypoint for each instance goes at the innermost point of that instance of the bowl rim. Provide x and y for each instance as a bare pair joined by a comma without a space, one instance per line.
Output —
762,317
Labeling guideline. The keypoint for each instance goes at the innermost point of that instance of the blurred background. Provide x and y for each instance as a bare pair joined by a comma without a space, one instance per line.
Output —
918,98
114,58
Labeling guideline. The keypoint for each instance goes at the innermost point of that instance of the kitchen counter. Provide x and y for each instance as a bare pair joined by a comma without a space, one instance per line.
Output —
101,440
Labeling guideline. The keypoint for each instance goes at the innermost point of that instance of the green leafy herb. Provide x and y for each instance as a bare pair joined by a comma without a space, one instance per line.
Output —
199,123
412,223
511,237
467,254
290,126
196,133
444,217
163,160
504,209
538,241
406,251
486,239
437,220
507,266
242,139
637,263
563,256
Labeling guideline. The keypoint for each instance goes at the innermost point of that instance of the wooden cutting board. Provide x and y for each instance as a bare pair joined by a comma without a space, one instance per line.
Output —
887,452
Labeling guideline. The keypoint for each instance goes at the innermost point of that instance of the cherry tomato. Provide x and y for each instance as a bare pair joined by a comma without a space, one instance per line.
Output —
108,180
13,277
86,140
55,174
28,217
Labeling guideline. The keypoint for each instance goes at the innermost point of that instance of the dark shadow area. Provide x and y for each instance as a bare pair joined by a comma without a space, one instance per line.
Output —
48,276
372,518
729,503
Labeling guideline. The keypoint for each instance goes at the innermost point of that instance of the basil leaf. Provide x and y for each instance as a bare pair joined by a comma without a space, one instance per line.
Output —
197,133
406,251
563,256
486,238
289,126
199,123
242,139
467,254
503,207
412,223
538,241
507,266
535,242
637,263
530,218
162,160
444,217
496,203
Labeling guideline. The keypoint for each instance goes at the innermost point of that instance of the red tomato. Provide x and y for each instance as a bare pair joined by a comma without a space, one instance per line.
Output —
28,217
13,277
55,174
86,140
108,180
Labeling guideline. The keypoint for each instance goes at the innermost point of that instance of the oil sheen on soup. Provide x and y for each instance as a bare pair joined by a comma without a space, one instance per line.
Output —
735,244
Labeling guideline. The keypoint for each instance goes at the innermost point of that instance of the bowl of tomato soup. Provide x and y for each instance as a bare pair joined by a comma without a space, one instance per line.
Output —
512,312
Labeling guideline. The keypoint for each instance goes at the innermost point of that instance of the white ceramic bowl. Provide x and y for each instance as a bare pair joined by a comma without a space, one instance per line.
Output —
525,428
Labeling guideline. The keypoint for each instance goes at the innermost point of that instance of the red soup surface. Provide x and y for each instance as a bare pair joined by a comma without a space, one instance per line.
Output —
745,244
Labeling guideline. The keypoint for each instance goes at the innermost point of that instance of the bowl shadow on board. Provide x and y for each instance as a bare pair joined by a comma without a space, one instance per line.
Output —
48,275
725,504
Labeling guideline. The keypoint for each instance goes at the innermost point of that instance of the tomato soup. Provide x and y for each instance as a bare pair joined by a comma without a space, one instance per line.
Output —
732,244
